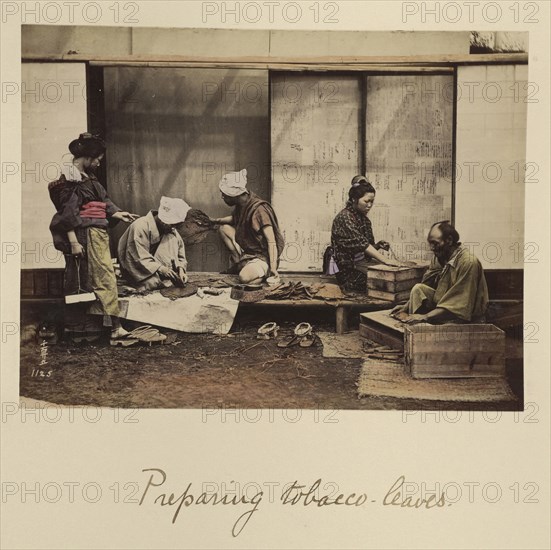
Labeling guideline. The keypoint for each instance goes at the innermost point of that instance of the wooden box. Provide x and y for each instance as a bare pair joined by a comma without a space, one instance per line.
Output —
454,351
392,283
383,329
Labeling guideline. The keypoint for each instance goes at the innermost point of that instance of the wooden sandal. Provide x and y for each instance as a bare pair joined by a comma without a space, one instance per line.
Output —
301,332
268,331
123,342
292,340
148,334
308,341
303,329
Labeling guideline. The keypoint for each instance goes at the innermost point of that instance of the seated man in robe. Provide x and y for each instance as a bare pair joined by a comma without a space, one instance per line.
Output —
151,252
251,233
454,287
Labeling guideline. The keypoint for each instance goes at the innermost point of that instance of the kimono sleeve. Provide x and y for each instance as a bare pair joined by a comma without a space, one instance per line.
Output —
430,277
111,208
460,298
67,203
349,236
182,261
136,257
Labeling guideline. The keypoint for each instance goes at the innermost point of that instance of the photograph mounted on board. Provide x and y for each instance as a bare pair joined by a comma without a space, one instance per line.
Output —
211,218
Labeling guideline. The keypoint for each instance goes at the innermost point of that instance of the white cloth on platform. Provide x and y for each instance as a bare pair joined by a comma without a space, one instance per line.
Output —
209,314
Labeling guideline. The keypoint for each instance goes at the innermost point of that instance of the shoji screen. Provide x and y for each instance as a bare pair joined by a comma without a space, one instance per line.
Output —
53,113
175,132
315,154
491,163
409,121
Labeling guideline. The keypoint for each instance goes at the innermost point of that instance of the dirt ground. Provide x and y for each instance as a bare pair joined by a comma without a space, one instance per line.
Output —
206,371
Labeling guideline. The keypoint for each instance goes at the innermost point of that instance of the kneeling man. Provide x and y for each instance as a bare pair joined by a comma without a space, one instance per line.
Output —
454,287
151,252
251,233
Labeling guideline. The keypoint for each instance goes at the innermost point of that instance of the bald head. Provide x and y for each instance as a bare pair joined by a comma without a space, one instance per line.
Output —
443,239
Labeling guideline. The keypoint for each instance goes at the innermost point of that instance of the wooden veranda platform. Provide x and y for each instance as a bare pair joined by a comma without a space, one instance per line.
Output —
355,301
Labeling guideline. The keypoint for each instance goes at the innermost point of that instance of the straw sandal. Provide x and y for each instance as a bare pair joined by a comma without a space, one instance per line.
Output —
268,331
148,334
302,333
292,340
123,340
308,341
306,334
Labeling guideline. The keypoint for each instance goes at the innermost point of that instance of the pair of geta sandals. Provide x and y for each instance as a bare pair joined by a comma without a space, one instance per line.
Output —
303,335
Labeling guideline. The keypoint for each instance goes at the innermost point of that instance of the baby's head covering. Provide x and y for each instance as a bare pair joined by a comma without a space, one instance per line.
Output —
234,184
173,211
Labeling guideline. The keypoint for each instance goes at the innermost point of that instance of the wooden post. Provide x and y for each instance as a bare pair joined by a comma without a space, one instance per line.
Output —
341,315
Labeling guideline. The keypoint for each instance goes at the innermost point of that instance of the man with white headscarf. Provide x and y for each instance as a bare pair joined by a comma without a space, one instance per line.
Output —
251,233
151,252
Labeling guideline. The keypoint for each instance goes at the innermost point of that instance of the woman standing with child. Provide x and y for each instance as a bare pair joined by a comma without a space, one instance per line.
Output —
79,230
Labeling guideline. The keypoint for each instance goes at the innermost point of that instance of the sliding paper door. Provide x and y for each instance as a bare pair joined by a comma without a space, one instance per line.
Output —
315,154
409,121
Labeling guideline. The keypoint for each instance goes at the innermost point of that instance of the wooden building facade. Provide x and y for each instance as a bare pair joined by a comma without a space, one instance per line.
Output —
440,131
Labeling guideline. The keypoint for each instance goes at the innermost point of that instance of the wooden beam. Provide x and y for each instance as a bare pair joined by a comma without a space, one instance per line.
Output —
284,67
273,62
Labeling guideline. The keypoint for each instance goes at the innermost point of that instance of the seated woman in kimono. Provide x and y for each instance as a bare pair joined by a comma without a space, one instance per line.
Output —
352,238
79,230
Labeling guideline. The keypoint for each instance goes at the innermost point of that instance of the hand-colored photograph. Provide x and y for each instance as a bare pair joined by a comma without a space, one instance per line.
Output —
273,218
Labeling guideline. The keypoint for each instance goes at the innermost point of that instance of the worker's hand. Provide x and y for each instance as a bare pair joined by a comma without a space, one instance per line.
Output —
415,318
163,272
398,309
182,276
125,216
77,250
167,273
394,263
382,245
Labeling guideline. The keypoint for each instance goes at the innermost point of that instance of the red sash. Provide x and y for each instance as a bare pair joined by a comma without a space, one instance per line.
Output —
93,209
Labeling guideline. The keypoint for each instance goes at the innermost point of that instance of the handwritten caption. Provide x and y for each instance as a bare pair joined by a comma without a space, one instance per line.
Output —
315,495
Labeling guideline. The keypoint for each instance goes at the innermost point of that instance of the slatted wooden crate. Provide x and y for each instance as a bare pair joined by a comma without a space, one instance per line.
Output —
454,351
392,283
381,328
